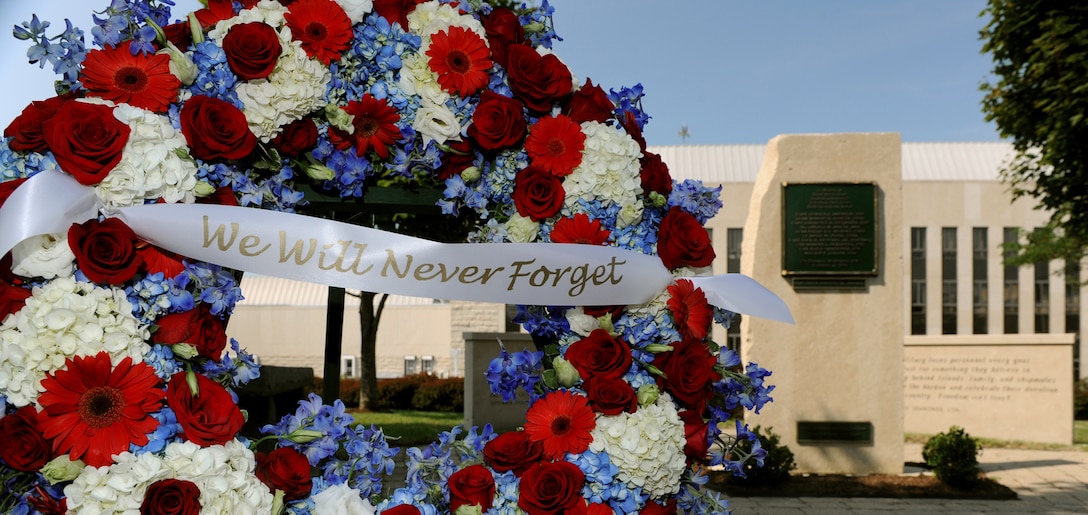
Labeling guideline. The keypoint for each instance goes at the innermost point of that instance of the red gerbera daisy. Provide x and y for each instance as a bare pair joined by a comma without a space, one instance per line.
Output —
322,26
579,229
140,80
461,59
555,143
690,309
561,422
93,410
375,124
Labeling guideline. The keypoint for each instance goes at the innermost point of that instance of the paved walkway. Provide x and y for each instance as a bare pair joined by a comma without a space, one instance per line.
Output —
1047,482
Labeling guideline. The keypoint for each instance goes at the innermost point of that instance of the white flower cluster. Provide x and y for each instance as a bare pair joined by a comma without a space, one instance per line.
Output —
342,499
609,172
61,319
150,165
296,86
647,446
356,9
223,473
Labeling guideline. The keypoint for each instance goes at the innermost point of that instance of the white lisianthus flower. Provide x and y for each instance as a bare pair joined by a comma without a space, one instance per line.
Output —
181,64
341,499
62,319
435,122
581,323
150,166
609,172
647,446
356,9
223,473
47,256
521,229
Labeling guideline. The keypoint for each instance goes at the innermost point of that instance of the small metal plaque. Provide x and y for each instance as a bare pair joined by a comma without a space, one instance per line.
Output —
829,229
815,433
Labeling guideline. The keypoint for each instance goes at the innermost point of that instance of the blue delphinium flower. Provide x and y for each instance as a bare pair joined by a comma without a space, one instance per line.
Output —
65,51
701,201
629,100
548,322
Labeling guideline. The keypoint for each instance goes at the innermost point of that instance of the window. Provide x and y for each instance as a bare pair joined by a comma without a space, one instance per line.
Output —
410,365
348,366
917,280
980,296
1012,286
1072,297
428,364
948,280
1042,297
734,237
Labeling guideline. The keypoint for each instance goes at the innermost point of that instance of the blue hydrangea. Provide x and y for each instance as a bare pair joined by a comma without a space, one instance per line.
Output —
163,435
150,297
214,77
694,197
161,358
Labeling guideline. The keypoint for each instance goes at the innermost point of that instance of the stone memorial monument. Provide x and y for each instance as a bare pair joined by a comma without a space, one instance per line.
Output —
824,232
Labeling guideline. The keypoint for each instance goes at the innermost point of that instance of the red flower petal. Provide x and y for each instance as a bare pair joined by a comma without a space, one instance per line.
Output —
142,80
579,229
322,26
461,59
555,143
375,123
561,422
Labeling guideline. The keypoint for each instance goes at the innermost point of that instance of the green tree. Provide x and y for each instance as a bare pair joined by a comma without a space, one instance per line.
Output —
1039,100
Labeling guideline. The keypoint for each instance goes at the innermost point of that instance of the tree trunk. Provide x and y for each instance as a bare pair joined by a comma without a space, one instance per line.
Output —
369,316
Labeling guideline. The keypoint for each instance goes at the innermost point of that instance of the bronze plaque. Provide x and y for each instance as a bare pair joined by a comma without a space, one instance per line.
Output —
829,229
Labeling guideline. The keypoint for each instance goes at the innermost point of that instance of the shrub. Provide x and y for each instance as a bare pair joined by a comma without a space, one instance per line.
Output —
446,395
953,457
1080,400
776,465
397,393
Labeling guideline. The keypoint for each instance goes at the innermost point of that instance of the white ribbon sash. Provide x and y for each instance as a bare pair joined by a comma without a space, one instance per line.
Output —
334,253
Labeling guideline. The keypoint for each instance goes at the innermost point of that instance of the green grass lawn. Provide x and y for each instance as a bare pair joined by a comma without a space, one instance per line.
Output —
413,428
1080,440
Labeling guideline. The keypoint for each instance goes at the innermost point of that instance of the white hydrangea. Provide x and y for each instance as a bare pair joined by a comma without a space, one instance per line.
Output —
62,319
150,166
296,86
609,172
223,473
47,256
647,446
416,78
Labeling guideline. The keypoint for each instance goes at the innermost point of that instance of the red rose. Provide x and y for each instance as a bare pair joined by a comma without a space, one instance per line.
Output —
26,129
86,140
538,194
296,138
512,450
455,160
396,11
503,28
222,196
105,251
630,124
538,80
24,449
613,312
655,175
589,104
215,129
683,241
472,486
498,122
286,469
404,509
610,396
171,497
252,50
551,488
695,431
197,327
210,417
600,355
689,371
12,298
652,508
179,34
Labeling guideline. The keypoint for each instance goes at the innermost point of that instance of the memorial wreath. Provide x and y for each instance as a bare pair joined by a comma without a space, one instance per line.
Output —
124,210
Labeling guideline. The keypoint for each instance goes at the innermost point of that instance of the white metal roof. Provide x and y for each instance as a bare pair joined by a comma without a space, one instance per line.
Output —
261,290
921,161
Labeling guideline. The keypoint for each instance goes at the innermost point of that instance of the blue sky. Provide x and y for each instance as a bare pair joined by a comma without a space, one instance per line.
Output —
731,71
